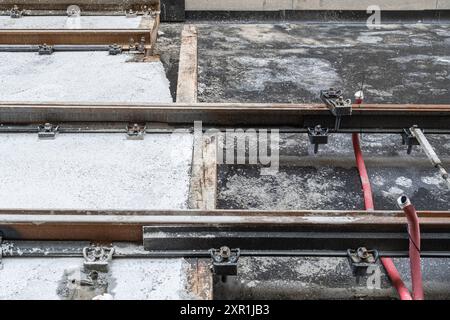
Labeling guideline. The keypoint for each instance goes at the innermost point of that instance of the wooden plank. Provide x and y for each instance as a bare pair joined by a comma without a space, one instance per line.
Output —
187,71
154,35
204,168
209,188
195,192
203,189
200,278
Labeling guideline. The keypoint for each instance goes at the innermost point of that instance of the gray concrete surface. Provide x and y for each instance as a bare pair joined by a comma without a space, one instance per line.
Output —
291,62
269,5
329,179
314,278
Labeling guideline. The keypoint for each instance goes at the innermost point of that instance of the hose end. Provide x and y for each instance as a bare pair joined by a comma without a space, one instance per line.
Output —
403,202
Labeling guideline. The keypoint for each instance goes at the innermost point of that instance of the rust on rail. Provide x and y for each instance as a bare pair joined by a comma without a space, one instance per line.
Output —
73,37
127,226
370,116
58,7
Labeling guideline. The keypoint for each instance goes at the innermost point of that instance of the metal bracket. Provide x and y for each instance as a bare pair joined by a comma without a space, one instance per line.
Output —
141,46
115,49
45,49
131,14
136,131
318,135
144,11
73,11
153,13
361,259
47,131
225,261
91,279
338,106
409,139
15,12
97,258
137,46
429,151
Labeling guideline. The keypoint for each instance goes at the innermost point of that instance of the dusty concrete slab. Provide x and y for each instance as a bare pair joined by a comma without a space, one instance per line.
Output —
81,77
243,187
33,278
129,279
329,188
64,22
329,179
149,279
291,62
312,278
95,171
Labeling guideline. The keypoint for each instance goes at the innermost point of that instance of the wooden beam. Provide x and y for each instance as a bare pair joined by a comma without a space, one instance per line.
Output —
203,189
187,71
200,278
209,190
195,191
204,161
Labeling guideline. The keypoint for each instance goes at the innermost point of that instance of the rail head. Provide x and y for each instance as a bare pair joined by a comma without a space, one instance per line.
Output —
365,117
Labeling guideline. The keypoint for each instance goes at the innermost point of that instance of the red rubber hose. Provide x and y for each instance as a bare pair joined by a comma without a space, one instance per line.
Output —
388,264
396,279
414,247
367,189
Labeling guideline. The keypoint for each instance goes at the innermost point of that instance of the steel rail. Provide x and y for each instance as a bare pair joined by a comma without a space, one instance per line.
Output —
62,48
60,6
240,106
73,36
127,225
52,249
369,117
305,214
